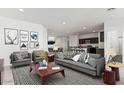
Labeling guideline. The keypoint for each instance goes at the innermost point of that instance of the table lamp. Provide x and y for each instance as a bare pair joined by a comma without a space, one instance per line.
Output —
111,52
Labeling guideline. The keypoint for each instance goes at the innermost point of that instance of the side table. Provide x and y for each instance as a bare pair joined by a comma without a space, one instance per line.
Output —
109,77
50,58
115,68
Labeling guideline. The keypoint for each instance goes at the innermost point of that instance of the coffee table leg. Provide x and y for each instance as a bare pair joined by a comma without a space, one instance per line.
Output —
63,73
44,80
30,69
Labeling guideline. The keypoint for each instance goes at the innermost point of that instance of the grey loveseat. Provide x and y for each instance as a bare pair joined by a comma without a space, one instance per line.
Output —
20,58
94,67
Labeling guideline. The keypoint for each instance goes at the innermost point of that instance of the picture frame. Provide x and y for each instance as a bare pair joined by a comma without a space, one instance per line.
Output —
23,45
11,36
33,36
36,45
32,44
24,35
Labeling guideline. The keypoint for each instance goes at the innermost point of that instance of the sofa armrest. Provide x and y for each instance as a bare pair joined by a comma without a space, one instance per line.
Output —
100,66
29,55
11,58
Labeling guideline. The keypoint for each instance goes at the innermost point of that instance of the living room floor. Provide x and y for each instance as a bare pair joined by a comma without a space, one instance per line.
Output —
21,76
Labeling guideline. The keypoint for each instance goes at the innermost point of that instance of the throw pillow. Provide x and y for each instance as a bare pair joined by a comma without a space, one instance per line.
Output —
82,57
76,57
92,62
15,57
86,58
60,55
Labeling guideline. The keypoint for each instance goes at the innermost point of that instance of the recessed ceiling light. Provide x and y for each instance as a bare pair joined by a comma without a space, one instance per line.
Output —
21,10
94,31
63,22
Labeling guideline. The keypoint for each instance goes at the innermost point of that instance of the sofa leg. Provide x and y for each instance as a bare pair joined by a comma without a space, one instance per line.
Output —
96,77
93,77
30,69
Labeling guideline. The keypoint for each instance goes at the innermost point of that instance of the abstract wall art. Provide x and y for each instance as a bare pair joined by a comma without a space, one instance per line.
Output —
34,36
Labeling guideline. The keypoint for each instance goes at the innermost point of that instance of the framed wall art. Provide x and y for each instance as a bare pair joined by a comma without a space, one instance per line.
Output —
24,36
36,45
32,45
34,36
23,45
11,36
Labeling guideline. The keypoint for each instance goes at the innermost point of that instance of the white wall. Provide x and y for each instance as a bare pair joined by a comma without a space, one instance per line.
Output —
6,50
88,35
62,42
73,40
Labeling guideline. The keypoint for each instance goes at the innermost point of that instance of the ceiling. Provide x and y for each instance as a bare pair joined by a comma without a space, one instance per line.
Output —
77,20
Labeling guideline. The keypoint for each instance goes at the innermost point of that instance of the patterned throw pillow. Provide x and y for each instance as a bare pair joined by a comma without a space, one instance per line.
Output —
44,55
60,55
86,58
82,57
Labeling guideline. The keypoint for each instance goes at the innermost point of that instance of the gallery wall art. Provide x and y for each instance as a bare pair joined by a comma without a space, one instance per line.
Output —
24,36
11,36
32,45
34,36
36,45
23,45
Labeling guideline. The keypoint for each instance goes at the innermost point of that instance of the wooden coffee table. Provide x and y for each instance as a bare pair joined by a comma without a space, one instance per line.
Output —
45,73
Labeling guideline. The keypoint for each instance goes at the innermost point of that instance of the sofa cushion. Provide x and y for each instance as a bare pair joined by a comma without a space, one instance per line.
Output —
92,61
17,56
25,55
83,65
68,54
22,60
82,58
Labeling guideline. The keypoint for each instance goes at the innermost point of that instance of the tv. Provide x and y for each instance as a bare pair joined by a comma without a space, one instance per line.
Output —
51,42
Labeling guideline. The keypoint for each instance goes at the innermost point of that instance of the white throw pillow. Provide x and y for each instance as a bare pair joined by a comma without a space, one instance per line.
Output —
76,57
86,58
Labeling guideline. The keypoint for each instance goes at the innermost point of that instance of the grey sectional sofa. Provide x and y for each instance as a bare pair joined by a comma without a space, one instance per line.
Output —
94,67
